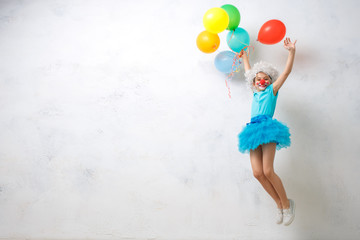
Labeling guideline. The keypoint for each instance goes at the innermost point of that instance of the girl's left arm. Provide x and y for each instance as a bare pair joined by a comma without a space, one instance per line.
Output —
289,64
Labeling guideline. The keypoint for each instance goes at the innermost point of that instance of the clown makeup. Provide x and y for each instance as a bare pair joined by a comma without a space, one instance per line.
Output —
261,81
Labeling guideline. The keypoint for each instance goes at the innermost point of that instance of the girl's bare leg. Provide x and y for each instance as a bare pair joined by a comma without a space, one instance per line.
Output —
268,151
256,158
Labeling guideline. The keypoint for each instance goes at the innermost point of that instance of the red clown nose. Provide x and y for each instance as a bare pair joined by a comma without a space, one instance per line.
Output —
262,81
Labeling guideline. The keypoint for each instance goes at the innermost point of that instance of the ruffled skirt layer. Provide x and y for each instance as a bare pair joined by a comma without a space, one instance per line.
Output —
262,130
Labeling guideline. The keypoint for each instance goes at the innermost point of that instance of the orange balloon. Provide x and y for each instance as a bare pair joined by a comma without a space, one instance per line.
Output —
208,42
271,32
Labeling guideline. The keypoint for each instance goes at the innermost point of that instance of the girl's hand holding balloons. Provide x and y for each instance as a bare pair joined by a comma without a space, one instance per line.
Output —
244,54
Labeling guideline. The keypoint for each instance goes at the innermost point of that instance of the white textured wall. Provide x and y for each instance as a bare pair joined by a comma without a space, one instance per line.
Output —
113,125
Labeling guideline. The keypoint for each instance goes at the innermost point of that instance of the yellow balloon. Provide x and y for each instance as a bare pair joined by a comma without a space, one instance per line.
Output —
216,20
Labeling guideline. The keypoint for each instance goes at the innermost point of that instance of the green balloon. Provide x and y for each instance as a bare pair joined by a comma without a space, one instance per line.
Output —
234,16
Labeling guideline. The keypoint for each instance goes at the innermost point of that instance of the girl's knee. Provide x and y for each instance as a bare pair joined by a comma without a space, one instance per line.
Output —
258,174
269,173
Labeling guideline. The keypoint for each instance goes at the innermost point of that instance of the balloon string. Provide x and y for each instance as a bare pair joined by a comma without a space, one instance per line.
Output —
232,34
236,60
227,85
234,69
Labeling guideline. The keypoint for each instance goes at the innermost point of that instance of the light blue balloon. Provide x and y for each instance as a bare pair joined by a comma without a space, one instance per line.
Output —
238,39
224,62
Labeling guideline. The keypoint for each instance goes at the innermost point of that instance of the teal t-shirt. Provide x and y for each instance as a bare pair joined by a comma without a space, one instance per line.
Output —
264,102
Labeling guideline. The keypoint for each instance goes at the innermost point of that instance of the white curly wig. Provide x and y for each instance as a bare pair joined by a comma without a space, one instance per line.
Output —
264,67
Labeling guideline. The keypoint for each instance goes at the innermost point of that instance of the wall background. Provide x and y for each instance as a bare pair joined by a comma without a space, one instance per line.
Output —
113,125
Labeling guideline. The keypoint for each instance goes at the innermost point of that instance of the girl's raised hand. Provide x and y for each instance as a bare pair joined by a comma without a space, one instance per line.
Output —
243,54
289,45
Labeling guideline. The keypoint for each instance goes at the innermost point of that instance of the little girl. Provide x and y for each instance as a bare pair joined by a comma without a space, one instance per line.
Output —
263,135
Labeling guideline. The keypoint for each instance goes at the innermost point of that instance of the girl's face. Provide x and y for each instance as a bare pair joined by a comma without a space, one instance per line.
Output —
261,81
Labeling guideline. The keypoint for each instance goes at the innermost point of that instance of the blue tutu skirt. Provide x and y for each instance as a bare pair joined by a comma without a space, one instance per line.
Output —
261,130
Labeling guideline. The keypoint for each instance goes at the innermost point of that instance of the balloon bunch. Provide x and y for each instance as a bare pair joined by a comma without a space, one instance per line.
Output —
215,21
228,17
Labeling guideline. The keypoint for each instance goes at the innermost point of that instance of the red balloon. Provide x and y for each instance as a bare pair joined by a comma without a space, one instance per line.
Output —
271,32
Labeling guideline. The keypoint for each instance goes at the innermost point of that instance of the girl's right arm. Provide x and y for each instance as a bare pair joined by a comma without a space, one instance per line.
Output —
289,64
245,58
